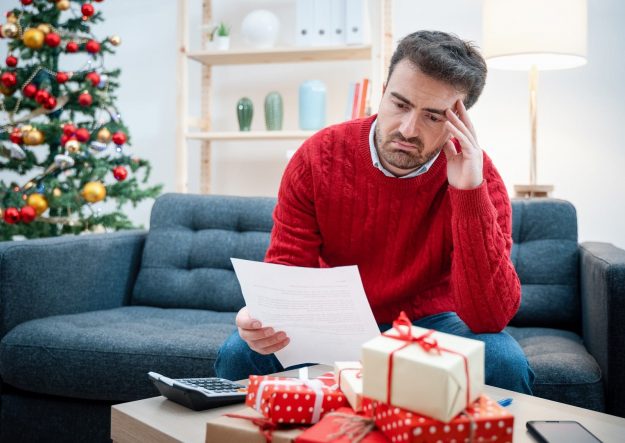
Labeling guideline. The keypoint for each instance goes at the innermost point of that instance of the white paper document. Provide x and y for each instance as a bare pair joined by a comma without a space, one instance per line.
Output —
324,311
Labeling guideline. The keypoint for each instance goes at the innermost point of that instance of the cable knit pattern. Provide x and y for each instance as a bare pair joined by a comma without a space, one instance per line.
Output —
420,245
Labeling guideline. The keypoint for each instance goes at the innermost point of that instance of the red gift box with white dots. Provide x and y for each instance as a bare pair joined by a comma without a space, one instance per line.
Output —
491,423
294,401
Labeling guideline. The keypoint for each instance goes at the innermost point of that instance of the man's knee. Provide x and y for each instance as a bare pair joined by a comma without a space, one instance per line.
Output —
236,361
506,364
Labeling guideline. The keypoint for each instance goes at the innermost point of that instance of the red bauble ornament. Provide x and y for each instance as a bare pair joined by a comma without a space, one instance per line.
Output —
69,129
62,77
87,9
92,47
28,214
93,77
120,173
119,138
30,90
42,96
11,61
11,215
85,99
26,2
64,139
82,134
50,103
52,39
71,47
8,79
16,136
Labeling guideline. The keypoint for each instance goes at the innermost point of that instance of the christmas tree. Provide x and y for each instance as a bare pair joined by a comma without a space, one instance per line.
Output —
60,129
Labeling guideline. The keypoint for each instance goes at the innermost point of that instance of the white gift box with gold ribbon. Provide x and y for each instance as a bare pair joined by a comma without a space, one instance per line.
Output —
428,372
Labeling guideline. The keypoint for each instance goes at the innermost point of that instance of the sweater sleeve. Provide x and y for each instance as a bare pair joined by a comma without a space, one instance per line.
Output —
486,288
295,237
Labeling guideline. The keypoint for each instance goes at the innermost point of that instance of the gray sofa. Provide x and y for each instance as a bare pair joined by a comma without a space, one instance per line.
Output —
83,319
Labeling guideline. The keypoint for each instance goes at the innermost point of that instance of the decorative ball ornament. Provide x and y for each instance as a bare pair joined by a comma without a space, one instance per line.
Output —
120,173
8,79
62,5
115,40
52,39
63,161
69,129
72,146
50,103
57,192
92,47
87,9
85,99
29,90
33,38
93,77
26,2
10,30
93,192
16,136
62,77
11,61
27,214
71,47
104,135
6,91
33,138
38,202
46,29
119,138
42,96
11,216
82,134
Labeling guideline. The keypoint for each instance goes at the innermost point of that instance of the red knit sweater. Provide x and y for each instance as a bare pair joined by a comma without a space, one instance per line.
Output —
421,245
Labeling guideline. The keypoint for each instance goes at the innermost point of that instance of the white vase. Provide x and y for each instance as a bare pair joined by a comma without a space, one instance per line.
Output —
223,42
261,28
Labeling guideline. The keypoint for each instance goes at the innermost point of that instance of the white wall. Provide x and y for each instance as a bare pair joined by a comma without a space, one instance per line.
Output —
580,110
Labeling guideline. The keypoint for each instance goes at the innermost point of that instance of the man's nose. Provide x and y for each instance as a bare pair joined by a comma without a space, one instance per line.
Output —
409,127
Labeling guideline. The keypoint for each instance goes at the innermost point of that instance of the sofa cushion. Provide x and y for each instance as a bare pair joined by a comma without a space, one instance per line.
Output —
106,355
564,370
546,258
186,259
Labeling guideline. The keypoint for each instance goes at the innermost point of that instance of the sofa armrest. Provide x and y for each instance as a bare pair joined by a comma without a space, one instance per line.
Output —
66,275
603,316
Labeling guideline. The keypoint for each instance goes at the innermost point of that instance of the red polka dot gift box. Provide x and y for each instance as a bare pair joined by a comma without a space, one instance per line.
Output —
423,371
483,421
343,426
292,400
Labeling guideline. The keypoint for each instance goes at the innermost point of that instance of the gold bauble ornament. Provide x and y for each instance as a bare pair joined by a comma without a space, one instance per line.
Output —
104,135
72,146
33,38
33,137
38,202
10,30
57,192
62,5
93,192
115,40
45,28
6,91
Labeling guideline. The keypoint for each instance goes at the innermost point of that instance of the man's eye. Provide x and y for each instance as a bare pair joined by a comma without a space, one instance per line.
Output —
432,117
400,105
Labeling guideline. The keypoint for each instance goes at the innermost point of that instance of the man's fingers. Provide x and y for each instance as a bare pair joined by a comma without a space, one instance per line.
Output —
464,116
244,320
460,136
276,347
267,342
455,122
253,335
450,150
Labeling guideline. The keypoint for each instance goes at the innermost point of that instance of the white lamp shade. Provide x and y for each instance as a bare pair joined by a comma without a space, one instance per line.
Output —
550,34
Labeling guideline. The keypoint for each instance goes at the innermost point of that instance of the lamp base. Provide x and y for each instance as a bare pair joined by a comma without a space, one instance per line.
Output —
526,191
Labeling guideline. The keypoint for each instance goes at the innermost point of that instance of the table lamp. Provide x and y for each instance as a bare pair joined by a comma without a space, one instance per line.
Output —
530,35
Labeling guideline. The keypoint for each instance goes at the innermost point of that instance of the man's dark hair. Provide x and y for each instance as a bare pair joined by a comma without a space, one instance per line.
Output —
444,57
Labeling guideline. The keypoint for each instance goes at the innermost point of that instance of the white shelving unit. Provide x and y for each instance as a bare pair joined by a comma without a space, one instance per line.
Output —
378,52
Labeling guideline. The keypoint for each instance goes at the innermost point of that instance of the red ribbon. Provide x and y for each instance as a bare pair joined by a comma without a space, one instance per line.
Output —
427,343
265,426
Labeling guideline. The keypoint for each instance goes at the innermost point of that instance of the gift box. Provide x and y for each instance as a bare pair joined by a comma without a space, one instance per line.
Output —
343,426
292,400
248,426
424,371
348,376
484,420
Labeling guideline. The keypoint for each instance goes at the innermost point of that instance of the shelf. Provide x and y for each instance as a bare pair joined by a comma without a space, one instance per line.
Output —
282,55
249,135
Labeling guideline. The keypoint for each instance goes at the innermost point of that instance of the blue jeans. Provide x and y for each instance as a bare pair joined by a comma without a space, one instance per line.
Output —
506,365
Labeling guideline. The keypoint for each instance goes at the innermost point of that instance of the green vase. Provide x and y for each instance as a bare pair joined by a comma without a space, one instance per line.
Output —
274,111
245,111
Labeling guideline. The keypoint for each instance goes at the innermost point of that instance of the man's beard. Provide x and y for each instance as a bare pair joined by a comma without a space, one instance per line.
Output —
401,159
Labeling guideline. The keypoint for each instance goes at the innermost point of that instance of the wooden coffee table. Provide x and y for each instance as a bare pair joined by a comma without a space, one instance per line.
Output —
158,420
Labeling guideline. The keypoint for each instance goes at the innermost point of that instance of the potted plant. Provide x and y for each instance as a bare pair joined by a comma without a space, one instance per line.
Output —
223,37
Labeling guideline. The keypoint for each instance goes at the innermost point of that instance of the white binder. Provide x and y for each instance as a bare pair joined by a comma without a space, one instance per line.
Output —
354,22
304,22
337,22
321,31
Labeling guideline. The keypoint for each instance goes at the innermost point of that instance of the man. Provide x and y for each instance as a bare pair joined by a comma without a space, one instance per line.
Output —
430,232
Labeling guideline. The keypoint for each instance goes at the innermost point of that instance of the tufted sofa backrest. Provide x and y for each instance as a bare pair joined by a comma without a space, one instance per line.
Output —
546,258
186,259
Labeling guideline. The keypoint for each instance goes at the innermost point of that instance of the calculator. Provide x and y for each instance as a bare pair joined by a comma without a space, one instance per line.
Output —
199,393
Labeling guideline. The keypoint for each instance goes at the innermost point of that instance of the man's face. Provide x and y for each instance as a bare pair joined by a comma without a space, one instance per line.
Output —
411,119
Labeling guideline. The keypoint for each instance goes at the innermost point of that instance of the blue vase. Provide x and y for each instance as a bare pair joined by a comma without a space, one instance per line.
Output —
312,105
